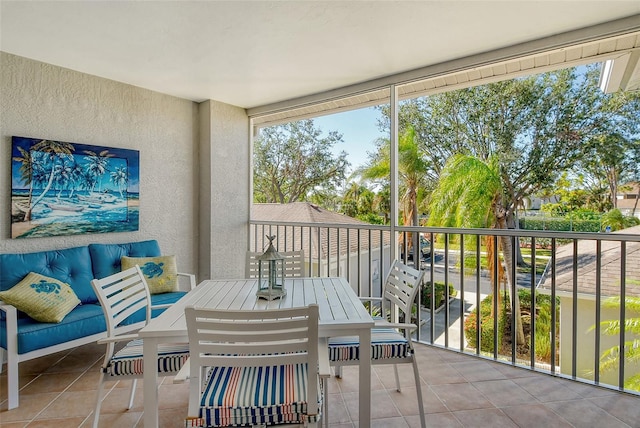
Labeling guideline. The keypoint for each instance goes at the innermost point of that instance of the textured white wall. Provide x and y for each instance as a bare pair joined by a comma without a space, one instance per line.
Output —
224,209
44,101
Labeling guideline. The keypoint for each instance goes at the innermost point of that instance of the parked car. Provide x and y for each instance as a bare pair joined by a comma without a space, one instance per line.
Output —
425,249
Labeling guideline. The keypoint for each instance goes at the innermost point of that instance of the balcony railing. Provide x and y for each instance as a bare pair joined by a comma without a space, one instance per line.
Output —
585,286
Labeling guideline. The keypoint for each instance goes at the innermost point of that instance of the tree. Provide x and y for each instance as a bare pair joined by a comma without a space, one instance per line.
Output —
615,220
96,166
40,165
293,161
534,128
357,199
469,194
120,178
613,152
412,172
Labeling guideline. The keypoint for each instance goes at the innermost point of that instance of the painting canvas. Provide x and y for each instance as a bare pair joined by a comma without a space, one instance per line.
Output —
60,188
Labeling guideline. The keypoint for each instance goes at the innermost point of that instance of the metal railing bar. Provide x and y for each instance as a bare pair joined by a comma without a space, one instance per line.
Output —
512,293
478,299
596,359
446,283
623,310
532,288
574,313
553,306
446,292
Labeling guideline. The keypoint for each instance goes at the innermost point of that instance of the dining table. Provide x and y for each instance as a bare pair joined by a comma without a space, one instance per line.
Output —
341,314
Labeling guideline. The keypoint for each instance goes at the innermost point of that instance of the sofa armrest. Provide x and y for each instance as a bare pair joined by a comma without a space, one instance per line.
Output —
192,279
11,314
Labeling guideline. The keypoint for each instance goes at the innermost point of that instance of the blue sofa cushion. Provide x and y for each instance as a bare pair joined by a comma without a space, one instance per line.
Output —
84,320
71,266
106,257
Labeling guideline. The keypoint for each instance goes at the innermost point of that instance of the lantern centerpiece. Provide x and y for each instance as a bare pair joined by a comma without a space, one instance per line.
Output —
270,273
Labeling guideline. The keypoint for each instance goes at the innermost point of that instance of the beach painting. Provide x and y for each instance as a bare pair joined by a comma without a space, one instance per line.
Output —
60,188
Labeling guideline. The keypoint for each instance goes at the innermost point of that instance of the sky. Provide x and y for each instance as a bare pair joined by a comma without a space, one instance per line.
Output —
359,131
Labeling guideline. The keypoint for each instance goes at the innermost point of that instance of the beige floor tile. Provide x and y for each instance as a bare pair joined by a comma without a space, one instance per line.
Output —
56,382
493,418
57,423
535,416
30,406
69,405
458,390
111,420
624,407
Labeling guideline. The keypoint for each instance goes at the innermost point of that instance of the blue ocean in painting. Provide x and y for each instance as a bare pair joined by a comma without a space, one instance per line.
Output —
66,214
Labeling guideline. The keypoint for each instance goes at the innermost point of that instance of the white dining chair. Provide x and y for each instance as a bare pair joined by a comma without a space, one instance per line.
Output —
293,264
125,301
391,342
251,368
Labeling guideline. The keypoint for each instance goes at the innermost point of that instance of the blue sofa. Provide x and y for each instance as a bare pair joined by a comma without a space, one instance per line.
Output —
23,338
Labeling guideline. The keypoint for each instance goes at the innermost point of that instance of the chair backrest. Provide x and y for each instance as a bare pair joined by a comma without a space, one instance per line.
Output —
400,288
262,338
121,296
293,264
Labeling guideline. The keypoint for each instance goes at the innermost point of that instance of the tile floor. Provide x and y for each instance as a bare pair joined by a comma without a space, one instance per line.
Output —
458,390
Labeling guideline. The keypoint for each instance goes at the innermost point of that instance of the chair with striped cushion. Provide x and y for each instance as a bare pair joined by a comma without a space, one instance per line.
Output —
125,298
390,341
250,368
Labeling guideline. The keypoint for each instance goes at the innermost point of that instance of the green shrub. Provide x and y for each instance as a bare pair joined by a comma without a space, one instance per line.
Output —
559,224
486,325
425,298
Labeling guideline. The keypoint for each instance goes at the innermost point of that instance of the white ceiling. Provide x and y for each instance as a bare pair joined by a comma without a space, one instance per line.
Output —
253,53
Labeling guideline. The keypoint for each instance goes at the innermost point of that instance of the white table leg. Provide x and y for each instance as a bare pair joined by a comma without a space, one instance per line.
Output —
150,357
365,378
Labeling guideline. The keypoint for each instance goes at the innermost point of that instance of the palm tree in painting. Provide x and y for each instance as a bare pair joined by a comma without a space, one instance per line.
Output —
77,178
87,180
42,160
96,165
64,175
119,178
26,175
469,195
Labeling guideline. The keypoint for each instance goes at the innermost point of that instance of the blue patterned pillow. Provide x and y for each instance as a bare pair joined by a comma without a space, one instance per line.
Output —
42,298
161,273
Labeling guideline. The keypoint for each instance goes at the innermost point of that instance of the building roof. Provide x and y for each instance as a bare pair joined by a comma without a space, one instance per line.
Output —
586,268
629,199
320,241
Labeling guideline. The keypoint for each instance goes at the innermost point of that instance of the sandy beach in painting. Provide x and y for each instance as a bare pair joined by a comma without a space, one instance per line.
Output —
45,219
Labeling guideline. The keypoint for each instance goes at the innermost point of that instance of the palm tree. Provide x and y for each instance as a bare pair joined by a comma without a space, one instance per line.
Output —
97,164
412,172
64,175
357,199
52,153
119,178
26,175
469,195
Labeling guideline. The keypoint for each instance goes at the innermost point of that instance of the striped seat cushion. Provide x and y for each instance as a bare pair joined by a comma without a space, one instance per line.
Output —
245,396
128,361
385,343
